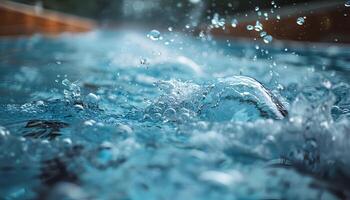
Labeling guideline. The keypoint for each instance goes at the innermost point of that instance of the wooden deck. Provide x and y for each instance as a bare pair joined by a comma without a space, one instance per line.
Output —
325,22
20,19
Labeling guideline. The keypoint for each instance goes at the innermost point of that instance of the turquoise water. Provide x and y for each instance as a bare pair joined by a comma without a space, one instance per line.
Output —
116,115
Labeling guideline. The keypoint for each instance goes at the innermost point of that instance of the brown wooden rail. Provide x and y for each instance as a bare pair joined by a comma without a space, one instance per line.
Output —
20,19
325,22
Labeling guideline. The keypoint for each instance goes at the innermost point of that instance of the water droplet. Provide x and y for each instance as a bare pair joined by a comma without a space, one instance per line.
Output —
300,21
170,28
143,61
250,27
195,1
263,34
347,4
327,84
4,131
257,8
234,23
67,140
268,39
66,82
90,122
217,22
40,103
201,34
258,26
154,35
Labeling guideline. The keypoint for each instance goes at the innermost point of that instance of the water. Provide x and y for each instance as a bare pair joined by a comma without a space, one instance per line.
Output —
301,21
154,35
115,115
250,27
217,22
347,3
258,26
234,23
267,38
195,1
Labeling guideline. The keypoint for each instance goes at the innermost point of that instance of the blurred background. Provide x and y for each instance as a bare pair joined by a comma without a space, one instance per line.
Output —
164,11
327,21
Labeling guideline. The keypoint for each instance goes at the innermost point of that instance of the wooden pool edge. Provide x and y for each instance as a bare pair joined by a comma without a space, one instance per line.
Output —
18,19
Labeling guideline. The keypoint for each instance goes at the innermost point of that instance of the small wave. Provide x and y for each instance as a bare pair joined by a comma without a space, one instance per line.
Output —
236,98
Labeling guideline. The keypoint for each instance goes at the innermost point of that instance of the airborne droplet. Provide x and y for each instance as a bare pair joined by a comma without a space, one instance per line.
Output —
347,3
301,21
234,23
268,39
250,27
154,35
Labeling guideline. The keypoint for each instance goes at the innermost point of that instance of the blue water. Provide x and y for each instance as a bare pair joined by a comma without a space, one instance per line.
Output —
115,115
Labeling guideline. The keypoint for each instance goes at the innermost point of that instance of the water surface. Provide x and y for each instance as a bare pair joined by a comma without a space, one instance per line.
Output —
117,115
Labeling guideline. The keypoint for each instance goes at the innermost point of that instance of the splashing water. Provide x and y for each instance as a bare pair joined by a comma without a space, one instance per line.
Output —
217,22
206,121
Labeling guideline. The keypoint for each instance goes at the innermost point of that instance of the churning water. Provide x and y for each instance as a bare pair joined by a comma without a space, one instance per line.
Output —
109,115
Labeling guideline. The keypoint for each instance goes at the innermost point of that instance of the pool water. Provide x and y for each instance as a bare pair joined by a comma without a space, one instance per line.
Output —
117,115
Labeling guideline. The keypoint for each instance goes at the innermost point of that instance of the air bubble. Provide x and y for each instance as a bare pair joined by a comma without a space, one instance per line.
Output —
92,98
89,122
